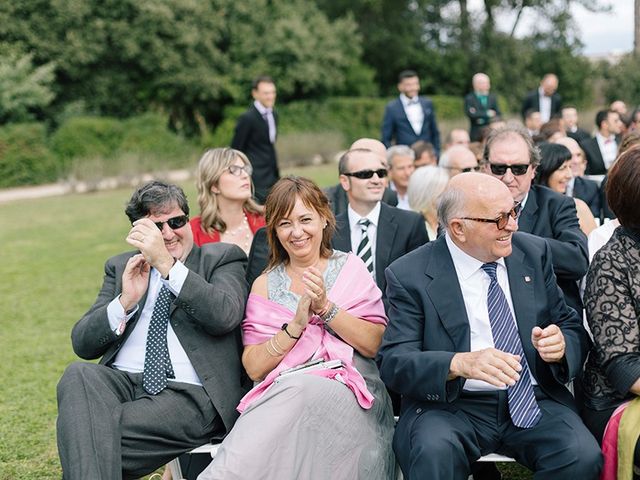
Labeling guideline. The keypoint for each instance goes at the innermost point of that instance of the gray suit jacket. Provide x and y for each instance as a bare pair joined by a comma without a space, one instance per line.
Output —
205,317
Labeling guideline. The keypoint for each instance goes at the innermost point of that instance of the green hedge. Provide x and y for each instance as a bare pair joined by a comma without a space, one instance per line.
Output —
25,158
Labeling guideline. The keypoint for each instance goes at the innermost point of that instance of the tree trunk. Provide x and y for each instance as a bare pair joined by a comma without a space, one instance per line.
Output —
636,28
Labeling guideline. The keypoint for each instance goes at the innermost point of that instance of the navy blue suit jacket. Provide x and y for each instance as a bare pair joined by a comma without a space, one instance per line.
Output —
588,191
553,216
399,232
428,324
396,126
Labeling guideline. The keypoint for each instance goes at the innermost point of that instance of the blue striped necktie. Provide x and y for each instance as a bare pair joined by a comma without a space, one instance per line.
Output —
364,249
523,407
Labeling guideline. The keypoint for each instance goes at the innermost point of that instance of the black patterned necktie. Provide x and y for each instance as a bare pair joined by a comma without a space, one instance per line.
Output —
523,407
364,249
157,363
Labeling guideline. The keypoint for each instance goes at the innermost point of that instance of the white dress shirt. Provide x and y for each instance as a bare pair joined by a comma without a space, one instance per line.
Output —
267,113
414,112
474,284
403,200
545,106
131,355
608,148
372,231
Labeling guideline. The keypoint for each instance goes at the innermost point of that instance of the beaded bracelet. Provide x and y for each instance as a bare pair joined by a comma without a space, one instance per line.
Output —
331,314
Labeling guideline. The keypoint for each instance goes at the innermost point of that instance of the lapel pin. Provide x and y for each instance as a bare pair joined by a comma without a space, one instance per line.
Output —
527,278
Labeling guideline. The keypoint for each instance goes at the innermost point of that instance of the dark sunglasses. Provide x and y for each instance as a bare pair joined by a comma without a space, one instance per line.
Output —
500,169
365,174
465,170
237,170
174,222
501,220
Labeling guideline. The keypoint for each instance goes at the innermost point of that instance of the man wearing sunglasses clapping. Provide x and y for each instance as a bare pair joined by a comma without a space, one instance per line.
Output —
166,327
511,157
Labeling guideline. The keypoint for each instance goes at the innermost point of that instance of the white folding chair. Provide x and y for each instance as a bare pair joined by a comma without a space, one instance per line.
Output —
174,465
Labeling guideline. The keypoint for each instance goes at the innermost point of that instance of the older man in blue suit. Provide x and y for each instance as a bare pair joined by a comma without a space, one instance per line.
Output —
410,117
481,344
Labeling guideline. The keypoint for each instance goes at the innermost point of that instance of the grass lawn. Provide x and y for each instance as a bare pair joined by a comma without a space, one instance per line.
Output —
54,252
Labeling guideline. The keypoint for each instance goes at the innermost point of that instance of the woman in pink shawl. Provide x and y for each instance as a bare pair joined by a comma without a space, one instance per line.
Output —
321,308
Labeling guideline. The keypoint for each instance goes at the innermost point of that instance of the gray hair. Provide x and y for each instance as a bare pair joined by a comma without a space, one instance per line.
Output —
507,131
155,197
450,205
399,151
425,186
444,160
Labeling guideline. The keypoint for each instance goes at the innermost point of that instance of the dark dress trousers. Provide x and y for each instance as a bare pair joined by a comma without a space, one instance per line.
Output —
107,425
251,137
442,428
399,232
397,129
553,216
340,201
588,191
595,162
532,102
477,113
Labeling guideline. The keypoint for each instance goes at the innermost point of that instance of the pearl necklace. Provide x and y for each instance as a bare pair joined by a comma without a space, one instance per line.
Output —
236,236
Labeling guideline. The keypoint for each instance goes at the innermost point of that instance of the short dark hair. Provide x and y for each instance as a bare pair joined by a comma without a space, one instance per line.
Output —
602,115
422,146
261,79
406,74
623,189
154,197
280,202
552,157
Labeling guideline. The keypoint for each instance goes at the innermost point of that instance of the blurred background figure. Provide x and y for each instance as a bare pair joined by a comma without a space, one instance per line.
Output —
458,159
400,160
545,99
570,119
601,150
480,106
227,211
457,136
533,122
425,154
554,172
425,187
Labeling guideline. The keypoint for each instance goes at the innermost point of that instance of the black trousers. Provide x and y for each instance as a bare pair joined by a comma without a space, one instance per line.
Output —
445,439
109,428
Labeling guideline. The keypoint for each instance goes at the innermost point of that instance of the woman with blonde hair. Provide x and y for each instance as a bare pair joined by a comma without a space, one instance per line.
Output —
227,211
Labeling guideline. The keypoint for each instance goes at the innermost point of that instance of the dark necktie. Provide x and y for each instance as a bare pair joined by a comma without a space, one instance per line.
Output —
523,407
364,249
157,364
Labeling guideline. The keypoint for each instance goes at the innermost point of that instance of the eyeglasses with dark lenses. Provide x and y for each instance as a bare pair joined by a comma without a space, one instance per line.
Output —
500,169
464,170
238,169
366,174
174,222
501,220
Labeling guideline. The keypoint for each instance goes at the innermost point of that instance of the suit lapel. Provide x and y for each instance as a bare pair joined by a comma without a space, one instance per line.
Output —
446,296
385,236
342,238
527,217
521,284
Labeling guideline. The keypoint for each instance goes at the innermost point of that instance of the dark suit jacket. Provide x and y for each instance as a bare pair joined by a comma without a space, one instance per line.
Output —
340,201
579,135
399,232
251,137
553,216
205,317
595,162
532,102
477,114
428,324
396,126
589,191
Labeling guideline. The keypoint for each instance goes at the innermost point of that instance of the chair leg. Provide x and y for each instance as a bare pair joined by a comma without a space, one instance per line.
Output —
176,471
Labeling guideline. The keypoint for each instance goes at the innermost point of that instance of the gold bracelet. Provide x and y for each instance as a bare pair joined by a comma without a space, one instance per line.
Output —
275,339
280,353
269,351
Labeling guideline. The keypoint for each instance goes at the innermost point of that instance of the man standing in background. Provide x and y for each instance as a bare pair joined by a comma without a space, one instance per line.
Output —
480,106
545,99
410,118
255,136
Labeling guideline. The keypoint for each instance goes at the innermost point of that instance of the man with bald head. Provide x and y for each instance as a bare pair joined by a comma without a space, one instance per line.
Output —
545,99
458,159
480,344
480,106
579,186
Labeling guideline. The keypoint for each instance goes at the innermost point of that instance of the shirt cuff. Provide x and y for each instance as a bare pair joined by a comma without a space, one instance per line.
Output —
117,315
177,277
623,371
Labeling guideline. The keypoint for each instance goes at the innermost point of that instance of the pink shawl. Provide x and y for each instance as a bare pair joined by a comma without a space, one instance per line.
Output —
353,291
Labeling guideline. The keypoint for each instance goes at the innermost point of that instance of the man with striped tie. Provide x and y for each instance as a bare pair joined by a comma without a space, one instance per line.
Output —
481,344
375,231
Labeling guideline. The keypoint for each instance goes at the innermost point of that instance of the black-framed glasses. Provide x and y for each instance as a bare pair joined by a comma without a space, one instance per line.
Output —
174,222
500,169
366,174
238,169
501,220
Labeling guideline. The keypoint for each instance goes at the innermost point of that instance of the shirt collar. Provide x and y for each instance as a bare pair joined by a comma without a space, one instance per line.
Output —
261,108
409,101
465,264
373,215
